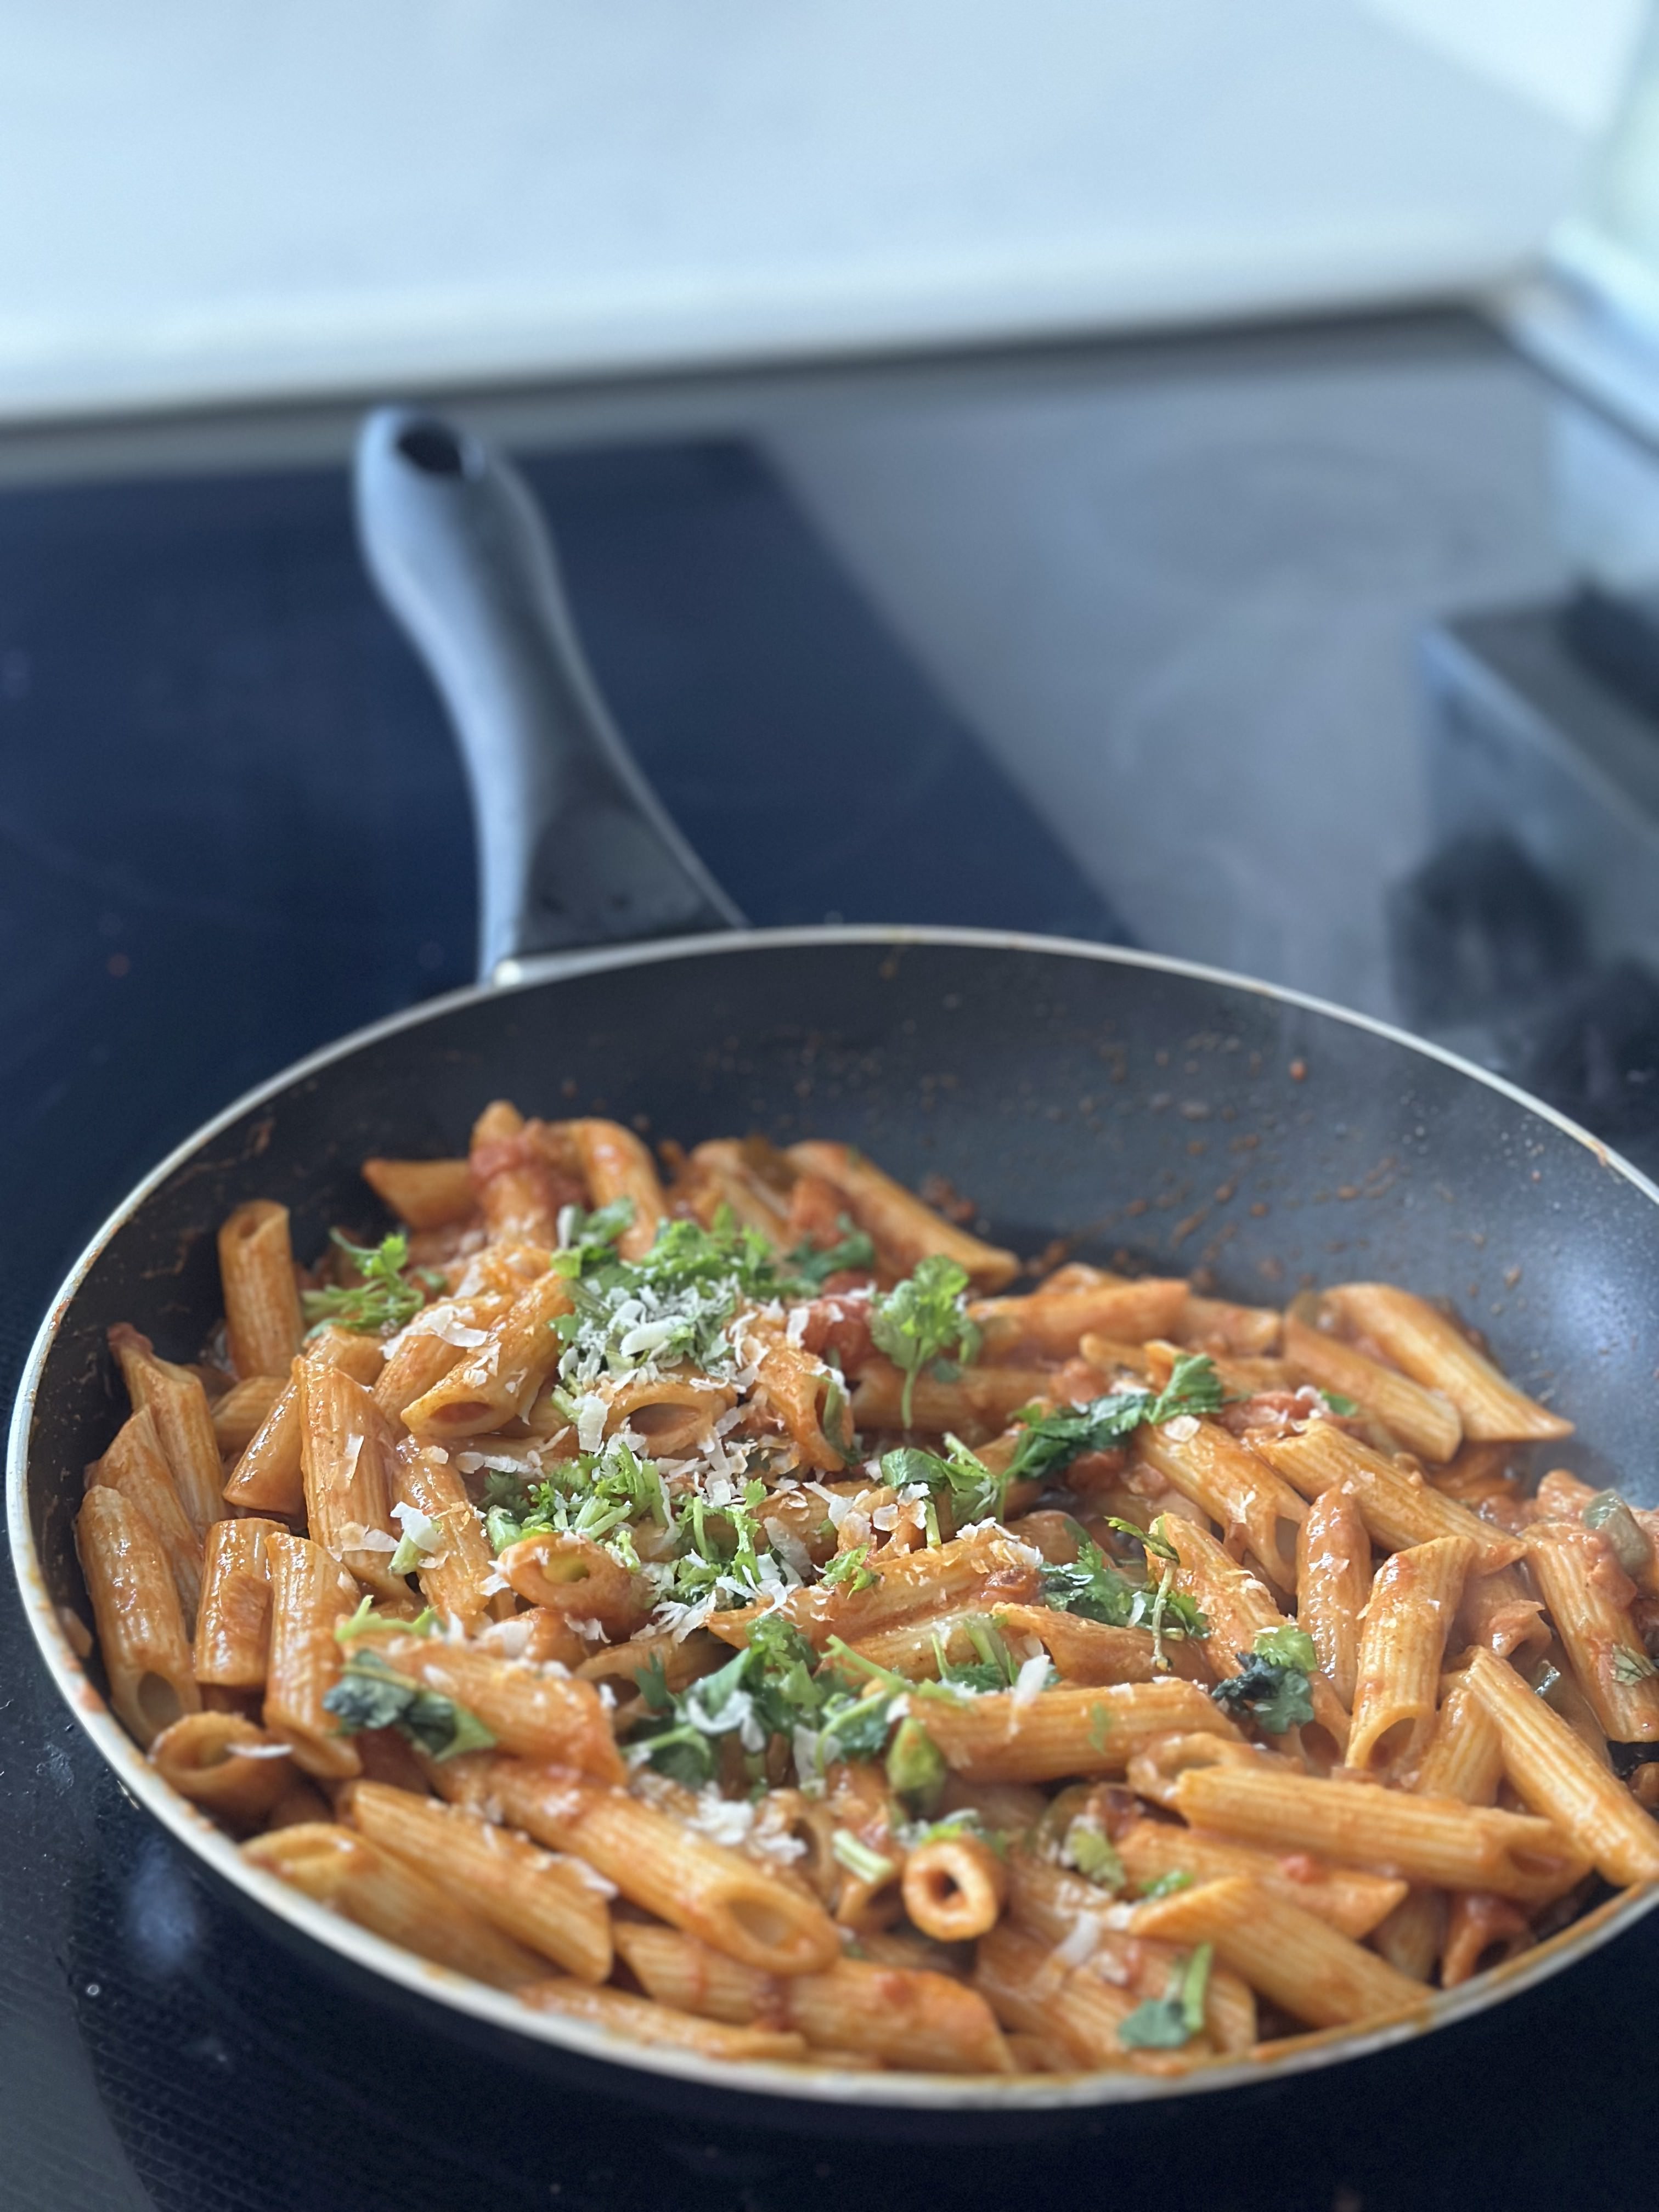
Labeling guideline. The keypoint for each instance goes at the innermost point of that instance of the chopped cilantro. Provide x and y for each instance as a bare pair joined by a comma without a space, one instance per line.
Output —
1092,1587
860,1861
602,1495
589,1240
975,1493
1048,1443
848,1571
1087,1848
1288,1646
922,1319
1632,1667
915,1766
1272,1689
808,1267
385,1301
1165,1885
1166,2023
370,1694
1339,1404
766,1690
366,1621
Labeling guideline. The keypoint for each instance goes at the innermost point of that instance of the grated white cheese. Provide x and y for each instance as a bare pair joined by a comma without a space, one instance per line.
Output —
590,1412
1183,1429
1028,1684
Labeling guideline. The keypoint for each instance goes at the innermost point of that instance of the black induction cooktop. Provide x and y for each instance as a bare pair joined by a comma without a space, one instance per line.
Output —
233,827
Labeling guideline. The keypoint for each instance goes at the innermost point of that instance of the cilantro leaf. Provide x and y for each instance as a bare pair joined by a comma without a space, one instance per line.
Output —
915,1766
1090,1850
766,1690
370,1694
1094,1588
808,1266
384,1302
1289,1646
975,1493
1048,1443
848,1571
1166,2023
589,1240
1166,1885
1274,1697
1344,1407
922,1319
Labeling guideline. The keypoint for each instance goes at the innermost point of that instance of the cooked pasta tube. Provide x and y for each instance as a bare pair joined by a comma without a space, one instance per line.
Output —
1425,1421
1501,1612
310,1595
496,1382
684,1660
1202,1462
1481,1932
657,1861
1559,1779
1411,1936
1588,1597
1465,1757
907,1582
903,1229
434,1345
1435,1353
1218,1327
1000,1738
808,1397
1086,1650
905,2017
553,1905
953,1887
136,1466
348,1457
536,1715
1069,1912
1300,1962
389,1897
727,1178
575,1576
456,1571
1030,1990
1397,1505
183,1423
637,2020
240,1415
1414,1601
513,1177
1239,1609
268,1477
1049,1324
222,1762
674,1415
424,1194
981,1397
135,1605
615,1164
1332,1585
1349,1899
232,1627
1432,1840
263,1321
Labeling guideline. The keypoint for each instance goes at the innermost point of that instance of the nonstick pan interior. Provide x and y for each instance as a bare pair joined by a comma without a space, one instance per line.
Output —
1149,1115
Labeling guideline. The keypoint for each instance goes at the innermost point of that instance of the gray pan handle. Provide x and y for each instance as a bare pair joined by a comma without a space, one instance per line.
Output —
573,846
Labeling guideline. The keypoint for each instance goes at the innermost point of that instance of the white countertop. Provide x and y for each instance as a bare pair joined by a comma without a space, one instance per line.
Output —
223,200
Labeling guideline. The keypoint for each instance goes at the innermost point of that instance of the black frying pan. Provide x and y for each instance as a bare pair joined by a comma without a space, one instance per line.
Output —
1184,1119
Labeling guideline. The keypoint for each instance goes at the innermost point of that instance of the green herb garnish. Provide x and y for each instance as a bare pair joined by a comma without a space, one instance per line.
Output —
1166,2023
1048,1443
384,1302
923,1319
1274,1685
370,1694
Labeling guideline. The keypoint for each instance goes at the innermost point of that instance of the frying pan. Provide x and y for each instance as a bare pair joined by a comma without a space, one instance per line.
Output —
1150,1112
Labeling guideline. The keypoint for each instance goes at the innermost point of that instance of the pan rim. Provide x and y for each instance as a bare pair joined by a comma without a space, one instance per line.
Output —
783,2085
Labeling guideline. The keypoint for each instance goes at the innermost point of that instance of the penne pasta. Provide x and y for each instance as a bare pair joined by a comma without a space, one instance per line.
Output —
1433,1352
184,1426
222,1762
903,1229
310,1595
552,1905
1412,1602
348,1462
1052,1324
1589,1598
1350,1900
615,1165
901,2016
269,1477
1561,1780
262,1321
1299,1961
135,1465
1425,1421
135,1605
1397,1505
232,1627
1066,1731
1334,1584
425,1194
1255,1507
496,1382
240,1415
640,2021
457,1571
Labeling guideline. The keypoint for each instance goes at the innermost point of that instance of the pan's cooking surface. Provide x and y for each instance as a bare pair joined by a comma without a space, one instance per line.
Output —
159,2048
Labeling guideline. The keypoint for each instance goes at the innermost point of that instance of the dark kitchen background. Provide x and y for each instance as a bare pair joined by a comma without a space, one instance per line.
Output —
1220,543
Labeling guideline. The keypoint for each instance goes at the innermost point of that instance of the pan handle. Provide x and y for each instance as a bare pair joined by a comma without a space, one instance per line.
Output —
573,846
